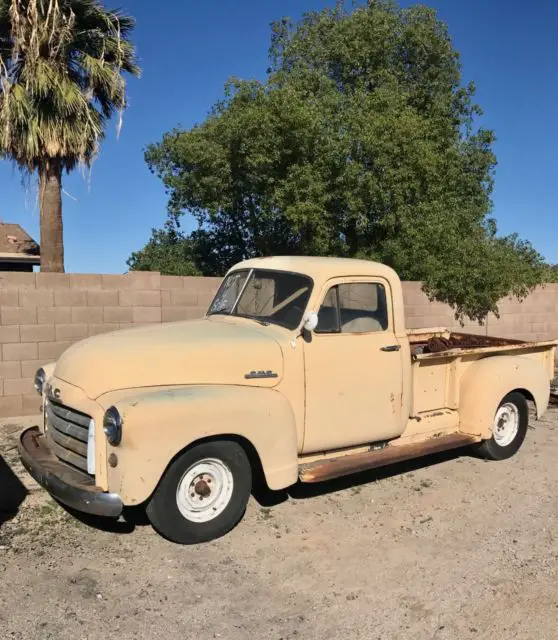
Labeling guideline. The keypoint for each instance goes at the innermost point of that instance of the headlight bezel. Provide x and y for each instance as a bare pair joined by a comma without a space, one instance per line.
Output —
112,426
39,380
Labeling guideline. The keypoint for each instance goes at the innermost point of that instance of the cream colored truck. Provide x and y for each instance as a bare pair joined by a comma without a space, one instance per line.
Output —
302,369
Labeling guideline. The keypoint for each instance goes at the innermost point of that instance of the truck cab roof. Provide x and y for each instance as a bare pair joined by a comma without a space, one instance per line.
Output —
320,268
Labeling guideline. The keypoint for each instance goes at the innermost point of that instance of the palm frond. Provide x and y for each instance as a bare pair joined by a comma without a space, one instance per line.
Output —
61,78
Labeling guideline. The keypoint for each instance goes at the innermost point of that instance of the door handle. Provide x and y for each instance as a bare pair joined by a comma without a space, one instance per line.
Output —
391,347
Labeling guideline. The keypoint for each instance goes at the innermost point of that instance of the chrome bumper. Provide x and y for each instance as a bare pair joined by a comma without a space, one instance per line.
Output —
68,485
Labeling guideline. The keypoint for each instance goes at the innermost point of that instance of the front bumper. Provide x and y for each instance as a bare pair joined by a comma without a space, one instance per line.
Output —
68,485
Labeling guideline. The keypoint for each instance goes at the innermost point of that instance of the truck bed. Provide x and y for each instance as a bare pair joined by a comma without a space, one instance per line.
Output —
433,343
441,357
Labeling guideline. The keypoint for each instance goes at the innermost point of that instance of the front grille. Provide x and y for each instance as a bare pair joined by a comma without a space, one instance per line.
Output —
67,432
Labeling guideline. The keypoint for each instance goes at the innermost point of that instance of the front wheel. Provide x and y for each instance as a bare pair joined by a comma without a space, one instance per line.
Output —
203,493
508,429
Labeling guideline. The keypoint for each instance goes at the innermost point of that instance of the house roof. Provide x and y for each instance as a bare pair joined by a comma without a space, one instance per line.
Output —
17,245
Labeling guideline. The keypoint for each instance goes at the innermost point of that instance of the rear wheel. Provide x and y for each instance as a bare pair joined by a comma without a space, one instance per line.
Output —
508,429
203,493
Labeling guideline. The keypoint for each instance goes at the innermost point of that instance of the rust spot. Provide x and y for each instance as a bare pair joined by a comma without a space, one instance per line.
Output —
336,467
35,444
202,488
439,344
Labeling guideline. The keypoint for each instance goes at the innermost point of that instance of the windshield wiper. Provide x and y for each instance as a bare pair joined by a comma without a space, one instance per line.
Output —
258,320
264,323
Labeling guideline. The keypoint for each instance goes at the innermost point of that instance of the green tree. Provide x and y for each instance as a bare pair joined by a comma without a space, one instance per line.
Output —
362,142
61,64
168,251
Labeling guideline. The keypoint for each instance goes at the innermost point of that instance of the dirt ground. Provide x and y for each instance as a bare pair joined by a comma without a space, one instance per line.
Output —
447,547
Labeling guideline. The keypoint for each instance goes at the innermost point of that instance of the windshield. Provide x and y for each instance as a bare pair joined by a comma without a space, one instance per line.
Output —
277,297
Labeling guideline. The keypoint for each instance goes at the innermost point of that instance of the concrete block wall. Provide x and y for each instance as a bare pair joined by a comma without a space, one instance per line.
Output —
536,318
42,314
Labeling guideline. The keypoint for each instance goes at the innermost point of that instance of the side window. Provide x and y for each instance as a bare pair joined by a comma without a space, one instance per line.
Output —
358,307
362,307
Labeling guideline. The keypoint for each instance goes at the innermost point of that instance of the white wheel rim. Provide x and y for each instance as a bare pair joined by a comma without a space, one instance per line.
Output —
205,490
506,424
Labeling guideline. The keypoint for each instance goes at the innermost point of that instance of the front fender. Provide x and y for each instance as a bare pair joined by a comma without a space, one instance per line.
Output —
487,381
159,423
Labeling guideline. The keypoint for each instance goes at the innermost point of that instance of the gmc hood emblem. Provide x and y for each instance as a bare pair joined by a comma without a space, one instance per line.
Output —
260,374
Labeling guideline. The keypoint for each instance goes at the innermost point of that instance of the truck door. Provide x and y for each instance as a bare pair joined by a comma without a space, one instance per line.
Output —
353,368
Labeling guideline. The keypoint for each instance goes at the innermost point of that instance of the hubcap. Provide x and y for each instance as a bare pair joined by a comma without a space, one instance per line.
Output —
506,424
205,490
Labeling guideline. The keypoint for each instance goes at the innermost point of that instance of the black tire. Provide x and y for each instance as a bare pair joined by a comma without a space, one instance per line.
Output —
491,449
163,510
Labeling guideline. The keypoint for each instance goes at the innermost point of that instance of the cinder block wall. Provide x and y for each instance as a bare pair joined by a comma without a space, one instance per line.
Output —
42,314
536,318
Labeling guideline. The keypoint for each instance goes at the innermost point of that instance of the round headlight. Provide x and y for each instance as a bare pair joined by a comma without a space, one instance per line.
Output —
39,381
112,426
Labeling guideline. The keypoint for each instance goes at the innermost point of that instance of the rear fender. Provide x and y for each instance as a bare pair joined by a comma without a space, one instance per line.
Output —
160,423
487,381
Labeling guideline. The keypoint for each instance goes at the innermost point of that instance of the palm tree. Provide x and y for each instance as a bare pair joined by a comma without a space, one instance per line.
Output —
61,80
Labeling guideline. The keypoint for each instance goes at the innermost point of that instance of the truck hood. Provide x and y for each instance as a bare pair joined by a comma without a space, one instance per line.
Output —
204,351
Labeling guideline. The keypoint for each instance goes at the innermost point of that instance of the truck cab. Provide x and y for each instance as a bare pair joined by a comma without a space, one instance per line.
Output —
302,369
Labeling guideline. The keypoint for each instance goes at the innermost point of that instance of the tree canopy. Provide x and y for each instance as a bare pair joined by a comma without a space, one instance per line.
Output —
168,251
361,142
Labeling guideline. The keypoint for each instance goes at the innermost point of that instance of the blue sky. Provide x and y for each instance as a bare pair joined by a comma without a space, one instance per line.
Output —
189,49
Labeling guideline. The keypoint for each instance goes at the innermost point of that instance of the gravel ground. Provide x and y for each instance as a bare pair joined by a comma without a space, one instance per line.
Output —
445,547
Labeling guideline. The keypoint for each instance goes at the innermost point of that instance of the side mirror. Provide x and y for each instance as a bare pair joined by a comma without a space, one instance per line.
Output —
310,321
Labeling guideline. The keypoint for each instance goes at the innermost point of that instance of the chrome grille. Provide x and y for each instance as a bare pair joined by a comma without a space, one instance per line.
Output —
67,432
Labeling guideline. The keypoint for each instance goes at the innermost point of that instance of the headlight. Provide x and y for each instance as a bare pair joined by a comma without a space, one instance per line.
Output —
112,426
39,381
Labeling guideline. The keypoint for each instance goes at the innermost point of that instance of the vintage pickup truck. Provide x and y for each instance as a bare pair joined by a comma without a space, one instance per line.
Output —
302,370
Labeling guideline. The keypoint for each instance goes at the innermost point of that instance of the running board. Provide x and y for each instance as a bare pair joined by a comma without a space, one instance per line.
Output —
327,469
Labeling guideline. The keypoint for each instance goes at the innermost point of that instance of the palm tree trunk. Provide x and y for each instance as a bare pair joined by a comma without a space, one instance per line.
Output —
50,195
